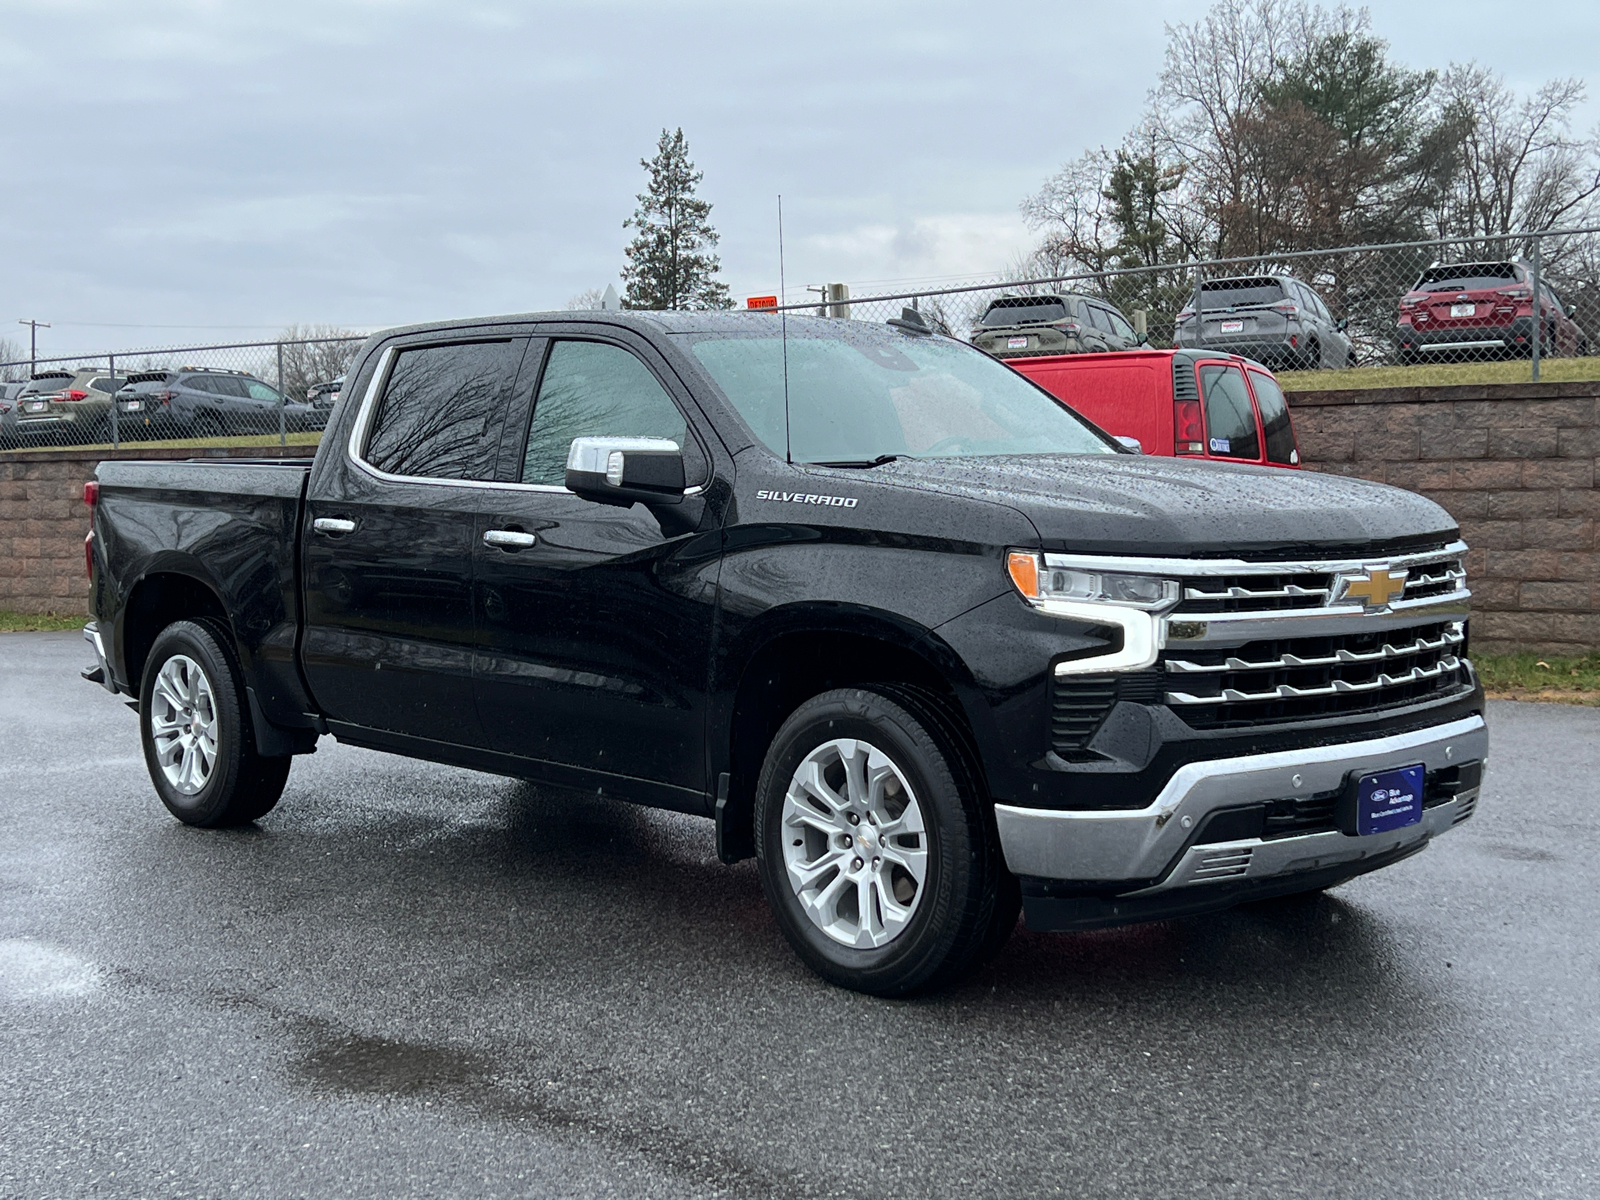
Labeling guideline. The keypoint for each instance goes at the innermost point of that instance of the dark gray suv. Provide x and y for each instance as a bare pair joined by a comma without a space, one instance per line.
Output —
1274,319
207,402
1018,326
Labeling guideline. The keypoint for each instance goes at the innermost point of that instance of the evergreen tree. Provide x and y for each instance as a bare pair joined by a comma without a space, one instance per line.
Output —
668,265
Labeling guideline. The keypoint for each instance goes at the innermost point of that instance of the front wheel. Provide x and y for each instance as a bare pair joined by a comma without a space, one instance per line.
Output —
873,845
197,740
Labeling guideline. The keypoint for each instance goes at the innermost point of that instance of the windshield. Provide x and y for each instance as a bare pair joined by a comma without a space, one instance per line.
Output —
1024,312
855,397
1466,277
1225,293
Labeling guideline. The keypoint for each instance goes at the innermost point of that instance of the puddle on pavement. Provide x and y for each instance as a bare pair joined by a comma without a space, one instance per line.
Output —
375,1066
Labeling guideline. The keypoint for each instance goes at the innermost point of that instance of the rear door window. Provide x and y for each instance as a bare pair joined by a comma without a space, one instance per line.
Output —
441,411
594,389
261,391
1119,325
1230,417
1274,419
1099,318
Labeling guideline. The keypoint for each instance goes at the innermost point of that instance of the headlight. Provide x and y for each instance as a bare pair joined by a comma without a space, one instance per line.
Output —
1040,583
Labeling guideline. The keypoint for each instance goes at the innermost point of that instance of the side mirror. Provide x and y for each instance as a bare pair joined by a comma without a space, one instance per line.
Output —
1571,310
624,470
1344,323
1131,443
1144,340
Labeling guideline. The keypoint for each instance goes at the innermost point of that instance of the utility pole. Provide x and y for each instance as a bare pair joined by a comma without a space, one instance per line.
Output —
33,342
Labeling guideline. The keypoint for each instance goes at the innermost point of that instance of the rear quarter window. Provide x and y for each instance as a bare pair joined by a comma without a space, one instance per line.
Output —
1230,417
442,409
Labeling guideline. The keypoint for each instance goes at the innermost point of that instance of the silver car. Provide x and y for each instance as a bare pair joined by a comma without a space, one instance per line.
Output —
1274,319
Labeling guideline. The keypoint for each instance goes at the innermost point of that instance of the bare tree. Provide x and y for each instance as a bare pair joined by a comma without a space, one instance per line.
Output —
1523,168
310,357
12,353
586,300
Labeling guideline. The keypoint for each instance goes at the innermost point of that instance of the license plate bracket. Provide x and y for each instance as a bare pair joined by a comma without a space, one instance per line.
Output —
1382,801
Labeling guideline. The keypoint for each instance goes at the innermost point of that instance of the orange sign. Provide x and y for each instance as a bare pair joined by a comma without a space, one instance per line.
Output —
761,302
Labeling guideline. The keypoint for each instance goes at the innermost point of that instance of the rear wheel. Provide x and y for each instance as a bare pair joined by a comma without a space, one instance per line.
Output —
198,745
874,850
208,425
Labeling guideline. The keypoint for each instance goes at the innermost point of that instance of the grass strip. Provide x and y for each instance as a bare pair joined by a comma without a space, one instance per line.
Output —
1553,370
1540,677
19,622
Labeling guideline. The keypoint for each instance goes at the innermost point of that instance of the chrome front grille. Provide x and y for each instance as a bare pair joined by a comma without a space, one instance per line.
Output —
1301,678
1254,593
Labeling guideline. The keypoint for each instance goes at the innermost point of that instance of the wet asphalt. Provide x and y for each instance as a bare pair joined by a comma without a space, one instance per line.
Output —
411,980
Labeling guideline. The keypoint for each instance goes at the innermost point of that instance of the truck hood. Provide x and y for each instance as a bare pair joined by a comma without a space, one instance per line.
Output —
1168,506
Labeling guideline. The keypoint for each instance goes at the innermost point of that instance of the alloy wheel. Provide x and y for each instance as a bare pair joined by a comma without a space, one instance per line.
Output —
855,847
183,724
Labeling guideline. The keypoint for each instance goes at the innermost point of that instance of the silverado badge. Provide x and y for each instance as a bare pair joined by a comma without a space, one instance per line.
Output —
1376,589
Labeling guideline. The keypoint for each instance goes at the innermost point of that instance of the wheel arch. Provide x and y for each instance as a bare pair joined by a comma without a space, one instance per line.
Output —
801,651
167,593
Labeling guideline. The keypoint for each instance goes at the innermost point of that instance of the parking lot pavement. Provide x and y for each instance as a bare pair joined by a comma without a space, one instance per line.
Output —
410,980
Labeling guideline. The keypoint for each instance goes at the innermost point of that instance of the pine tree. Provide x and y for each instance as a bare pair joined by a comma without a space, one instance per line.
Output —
668,267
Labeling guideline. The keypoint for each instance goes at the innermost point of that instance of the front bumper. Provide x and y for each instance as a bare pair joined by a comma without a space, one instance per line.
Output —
1140,854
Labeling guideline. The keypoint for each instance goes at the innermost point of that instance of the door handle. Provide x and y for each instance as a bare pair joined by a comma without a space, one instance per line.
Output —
509,539
333,525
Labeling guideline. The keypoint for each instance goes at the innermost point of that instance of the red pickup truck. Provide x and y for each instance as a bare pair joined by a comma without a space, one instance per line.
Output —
1185,403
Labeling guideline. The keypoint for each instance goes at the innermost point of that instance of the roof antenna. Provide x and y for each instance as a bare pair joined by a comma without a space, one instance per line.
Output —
783,325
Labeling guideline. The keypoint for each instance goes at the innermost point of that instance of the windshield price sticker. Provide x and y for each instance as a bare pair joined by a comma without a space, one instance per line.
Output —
807,498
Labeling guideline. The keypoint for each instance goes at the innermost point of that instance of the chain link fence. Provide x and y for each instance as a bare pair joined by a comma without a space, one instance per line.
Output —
247,393
1450,300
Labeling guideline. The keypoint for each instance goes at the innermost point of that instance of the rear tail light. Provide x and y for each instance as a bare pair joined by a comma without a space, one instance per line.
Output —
1287,308
164,397
72,394
1186,314
1188,434
91,492
1516,293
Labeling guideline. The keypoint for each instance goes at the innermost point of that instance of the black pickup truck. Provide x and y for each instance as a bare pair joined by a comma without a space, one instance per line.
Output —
921,640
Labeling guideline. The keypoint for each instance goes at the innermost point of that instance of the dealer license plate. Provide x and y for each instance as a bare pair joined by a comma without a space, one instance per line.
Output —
1020,343
1389,799
132,405
1233,327
1463,310
36,405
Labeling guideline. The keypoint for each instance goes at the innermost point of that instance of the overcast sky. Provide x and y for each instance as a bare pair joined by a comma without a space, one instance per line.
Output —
210,171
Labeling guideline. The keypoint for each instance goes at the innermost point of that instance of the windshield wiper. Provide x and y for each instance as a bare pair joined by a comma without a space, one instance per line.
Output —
860,462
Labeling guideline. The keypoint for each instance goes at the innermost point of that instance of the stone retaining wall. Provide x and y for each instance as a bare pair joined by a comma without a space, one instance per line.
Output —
43,520
1515,464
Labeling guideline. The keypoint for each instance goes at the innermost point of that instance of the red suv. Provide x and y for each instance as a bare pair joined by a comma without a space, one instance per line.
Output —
1186,403
1462,310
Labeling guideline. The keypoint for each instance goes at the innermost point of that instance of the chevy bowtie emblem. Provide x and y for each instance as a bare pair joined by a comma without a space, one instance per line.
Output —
1376,589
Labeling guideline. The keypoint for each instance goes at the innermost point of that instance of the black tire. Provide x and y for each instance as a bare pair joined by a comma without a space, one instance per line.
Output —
960,910
1313,357
208,425
241,785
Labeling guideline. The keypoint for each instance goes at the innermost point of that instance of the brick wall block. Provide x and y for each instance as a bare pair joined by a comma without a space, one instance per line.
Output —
1476,562
1544,596
1538,628
1321,446
1494,535
1578,565
1486,474
1465,506
1561,533
1579,443
1579,502
1530,503
1521,564
1387,447
1540,442
1455,443
1491,594
1558,473
1418,476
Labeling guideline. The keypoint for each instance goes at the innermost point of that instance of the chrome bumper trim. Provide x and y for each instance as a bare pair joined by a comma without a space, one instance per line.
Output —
91,634
1113,846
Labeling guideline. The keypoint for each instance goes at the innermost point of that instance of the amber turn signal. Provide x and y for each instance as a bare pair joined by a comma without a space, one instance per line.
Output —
1024,569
